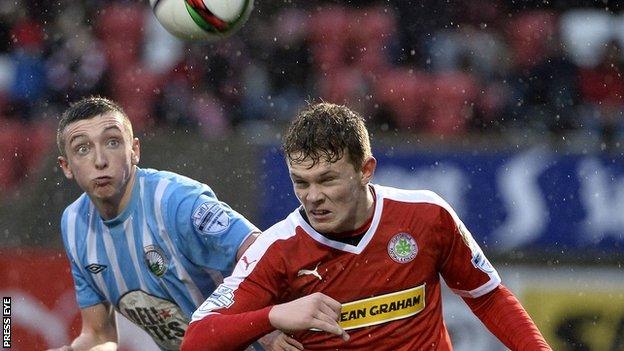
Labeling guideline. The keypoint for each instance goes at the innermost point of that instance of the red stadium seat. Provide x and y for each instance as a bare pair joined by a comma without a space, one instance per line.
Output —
23,147
120,27
121,21
329,28
372,26
370,32
12,158
451,103
529,35
135,88
405,93
329,24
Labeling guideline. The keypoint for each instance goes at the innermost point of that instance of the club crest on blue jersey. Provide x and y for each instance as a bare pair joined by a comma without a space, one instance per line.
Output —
155,259
402,248
210,218
95,268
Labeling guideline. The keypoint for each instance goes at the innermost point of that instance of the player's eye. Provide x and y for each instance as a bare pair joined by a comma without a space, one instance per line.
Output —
300,183
82,149
113,143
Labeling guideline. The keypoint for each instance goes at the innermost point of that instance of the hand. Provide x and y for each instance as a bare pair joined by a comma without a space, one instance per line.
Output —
278,341
62,348
317,311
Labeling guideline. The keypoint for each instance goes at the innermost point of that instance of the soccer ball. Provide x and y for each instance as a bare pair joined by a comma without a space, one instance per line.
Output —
202,19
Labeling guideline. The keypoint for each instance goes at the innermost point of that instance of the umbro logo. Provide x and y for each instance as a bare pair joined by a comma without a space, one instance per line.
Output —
95,268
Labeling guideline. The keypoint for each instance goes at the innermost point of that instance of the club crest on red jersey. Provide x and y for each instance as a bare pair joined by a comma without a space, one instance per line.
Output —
402,248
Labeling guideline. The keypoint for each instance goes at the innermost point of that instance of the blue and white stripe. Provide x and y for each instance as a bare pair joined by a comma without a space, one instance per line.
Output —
159,213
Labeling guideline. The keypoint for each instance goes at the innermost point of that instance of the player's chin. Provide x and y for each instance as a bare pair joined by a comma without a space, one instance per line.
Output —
103,192
323,226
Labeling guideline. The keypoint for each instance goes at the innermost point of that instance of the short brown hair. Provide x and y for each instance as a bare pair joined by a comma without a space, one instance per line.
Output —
324,131
85,109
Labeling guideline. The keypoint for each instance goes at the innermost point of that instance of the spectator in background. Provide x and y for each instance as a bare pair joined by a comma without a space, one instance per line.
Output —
78,65
543,84
24,134
29,83
377,56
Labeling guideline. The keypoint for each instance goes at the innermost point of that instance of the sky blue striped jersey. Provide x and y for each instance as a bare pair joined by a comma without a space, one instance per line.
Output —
160,258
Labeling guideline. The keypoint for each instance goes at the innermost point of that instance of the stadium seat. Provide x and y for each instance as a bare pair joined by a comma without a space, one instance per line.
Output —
120,27
343,86
451,103
15,158
121,21
528,36
405,93
371,32
328,37
136,88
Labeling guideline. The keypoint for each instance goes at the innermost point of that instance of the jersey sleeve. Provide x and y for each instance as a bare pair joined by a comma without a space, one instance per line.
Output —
236,313
209,230
86,294
464,266
501,312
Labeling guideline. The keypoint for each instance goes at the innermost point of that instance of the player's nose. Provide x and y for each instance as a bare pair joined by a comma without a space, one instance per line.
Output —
101,160
315,193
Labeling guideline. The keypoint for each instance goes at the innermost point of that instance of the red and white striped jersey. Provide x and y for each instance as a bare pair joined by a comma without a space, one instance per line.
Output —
389,283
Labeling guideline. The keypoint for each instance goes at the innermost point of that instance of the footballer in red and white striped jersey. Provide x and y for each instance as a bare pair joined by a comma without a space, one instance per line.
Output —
388,282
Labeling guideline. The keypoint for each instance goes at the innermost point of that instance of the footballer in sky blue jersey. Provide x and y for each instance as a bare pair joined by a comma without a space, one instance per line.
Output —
151,244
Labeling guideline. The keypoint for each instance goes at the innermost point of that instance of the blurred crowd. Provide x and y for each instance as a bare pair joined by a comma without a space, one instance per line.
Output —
429,68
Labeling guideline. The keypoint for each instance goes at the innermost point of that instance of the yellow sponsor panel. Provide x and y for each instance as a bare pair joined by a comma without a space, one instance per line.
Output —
578,319
382,309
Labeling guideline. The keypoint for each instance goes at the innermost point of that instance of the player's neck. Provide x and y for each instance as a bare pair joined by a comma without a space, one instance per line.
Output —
363,217
365,212
111,208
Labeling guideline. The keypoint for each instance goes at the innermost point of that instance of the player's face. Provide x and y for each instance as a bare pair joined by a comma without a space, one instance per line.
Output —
100,155
335,195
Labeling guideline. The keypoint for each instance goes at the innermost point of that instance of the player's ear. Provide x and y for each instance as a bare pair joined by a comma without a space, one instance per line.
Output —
136,151
368,169
65,167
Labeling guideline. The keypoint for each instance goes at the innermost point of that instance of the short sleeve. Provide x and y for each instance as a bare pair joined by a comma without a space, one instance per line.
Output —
465,268
86,294
211,231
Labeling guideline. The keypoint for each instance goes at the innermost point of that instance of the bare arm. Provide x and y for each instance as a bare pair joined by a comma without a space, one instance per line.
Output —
246,244
225,332
98,330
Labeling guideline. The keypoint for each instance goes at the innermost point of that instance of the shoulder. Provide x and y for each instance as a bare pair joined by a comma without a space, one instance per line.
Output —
410,196
166,185
153,177
281,231
423,201
75,220
79,207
